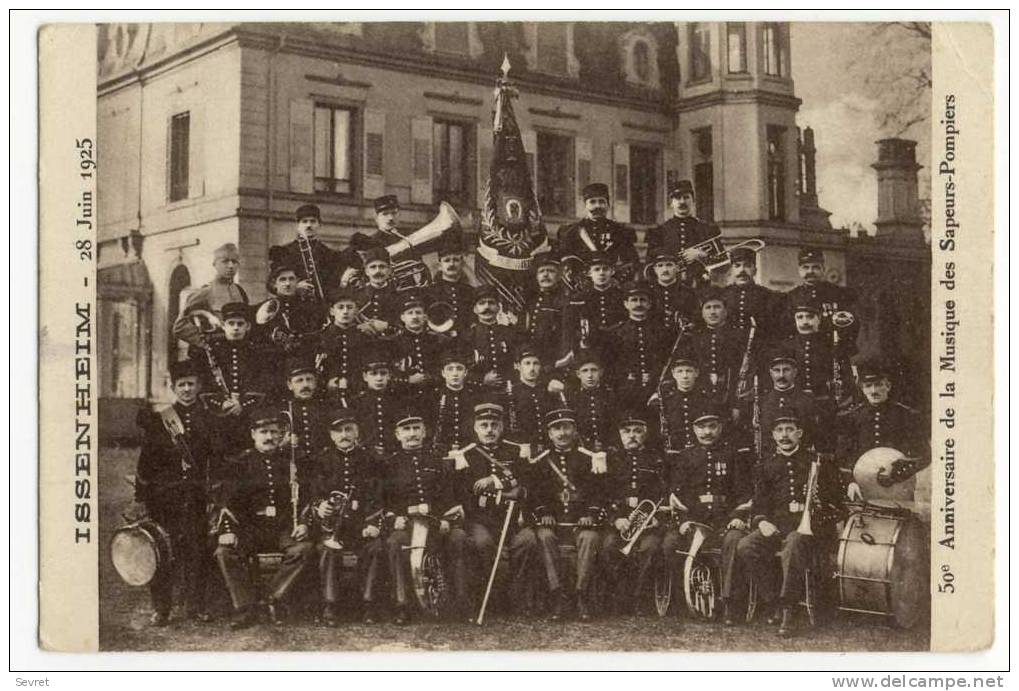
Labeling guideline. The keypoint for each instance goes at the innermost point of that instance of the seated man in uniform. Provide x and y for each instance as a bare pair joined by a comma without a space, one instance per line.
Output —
259,515
347,481
782,491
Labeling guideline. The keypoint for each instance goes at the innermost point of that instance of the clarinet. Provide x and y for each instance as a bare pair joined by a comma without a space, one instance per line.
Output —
756,419
512,412
295,488
436,446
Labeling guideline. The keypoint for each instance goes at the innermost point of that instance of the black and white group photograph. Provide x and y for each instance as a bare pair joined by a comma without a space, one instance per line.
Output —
530,336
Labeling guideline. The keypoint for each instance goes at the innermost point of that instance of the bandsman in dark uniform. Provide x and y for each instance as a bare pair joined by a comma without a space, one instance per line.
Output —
719,347
592,312
673,303
635,474
487,474
543,318
342,345
177,465
780,496
746,300
598,233
452,404
450,286
390,239
258,516
415,481
636,349
306,413
222,290
236,376
814,353
681,234
880,421
567,485
711,484
378,402
295,321
491,343
530,400
351,520
593,402
329,265
817,290
417,347
681,400
380,307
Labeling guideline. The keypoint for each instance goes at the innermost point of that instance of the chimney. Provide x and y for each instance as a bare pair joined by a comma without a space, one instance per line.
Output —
898,202
809,168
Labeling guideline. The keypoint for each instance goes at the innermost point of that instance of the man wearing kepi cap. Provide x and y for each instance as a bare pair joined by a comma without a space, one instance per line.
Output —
346,496
598,233
635,477
711,485
748,301
417,347
785,393
545,304
329,265
880,421
780,498
682,234
450,285
387,233
305,411
452,403
567,484
377,403
674,304
487,474
258,515
636,348
491,343
416,482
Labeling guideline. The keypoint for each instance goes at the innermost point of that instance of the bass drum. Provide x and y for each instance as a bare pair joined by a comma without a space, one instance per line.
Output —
140,550
882,565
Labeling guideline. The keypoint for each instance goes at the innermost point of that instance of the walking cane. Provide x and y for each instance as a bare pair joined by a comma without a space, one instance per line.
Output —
498,552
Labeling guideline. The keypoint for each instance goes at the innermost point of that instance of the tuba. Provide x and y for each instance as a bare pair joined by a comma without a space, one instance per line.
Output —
412,273
340,502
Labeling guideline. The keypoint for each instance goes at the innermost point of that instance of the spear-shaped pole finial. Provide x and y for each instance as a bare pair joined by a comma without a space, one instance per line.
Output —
505,66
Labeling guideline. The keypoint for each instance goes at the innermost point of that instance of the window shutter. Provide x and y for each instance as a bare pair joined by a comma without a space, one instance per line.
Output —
530,139
621,182
168,177
484,161
582,149
374,150
196,152
421,161
302,175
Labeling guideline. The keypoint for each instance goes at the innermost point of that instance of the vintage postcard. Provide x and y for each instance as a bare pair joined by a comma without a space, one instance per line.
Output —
499,335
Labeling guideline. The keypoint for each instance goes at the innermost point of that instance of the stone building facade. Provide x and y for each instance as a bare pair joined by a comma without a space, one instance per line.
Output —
214,133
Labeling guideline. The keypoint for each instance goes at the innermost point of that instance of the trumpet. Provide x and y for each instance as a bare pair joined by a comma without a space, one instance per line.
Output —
641,519
804,528
340,501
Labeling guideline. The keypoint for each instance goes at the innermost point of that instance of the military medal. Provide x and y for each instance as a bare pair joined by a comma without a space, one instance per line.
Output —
631,502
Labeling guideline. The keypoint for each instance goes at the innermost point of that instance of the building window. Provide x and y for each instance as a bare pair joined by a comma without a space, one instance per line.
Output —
452,143
700,52
774,50
644,184
180,142
776,174
736,33
642,61
551,43
452,37
334,149
704,174
555,174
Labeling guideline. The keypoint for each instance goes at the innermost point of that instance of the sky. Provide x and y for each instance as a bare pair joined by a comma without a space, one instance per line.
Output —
831,63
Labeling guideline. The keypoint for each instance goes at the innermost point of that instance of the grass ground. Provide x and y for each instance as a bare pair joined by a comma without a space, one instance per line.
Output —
125,610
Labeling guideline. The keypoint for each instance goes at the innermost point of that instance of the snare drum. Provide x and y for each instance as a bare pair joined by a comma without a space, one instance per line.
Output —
140,550
883,566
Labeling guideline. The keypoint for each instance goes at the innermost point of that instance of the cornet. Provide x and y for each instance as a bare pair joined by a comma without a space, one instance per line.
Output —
641,519
339,501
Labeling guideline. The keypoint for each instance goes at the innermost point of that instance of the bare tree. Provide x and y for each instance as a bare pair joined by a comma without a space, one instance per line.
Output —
895,63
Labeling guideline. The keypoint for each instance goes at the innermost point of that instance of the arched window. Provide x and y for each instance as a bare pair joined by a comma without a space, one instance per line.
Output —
180,279
642,61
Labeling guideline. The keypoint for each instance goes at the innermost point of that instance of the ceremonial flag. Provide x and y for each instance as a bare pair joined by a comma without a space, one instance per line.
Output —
511,232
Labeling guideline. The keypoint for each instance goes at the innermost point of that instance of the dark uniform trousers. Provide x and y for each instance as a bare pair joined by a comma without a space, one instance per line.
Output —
569,554
643,557
269,535
184,518
779,497
371,554
398,558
